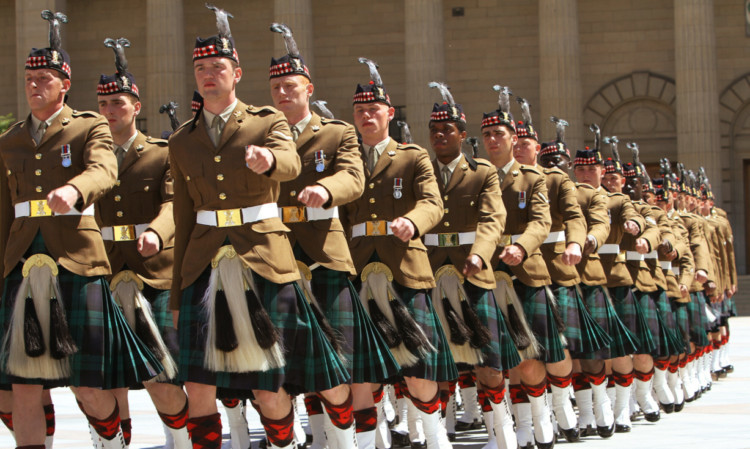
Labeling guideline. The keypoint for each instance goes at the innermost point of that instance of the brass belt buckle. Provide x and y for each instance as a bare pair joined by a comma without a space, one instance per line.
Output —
228,217
39,208
123,233
377,227
622,256
505,240
293,214
448,239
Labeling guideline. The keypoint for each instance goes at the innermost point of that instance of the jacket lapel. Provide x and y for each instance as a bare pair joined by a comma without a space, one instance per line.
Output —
385,159
133,153
310,131
233,124
509,178
61,121
200,132
458,175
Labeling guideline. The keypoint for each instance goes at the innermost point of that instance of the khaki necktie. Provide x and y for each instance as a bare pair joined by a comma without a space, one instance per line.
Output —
215,131
372,159
295,133
446,175
119,154
40,132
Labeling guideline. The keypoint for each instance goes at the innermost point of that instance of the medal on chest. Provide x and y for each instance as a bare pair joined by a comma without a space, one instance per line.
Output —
522,199
65,155
320,158
398,185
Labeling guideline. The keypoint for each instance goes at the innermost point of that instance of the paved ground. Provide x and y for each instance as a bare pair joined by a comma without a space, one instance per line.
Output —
719,419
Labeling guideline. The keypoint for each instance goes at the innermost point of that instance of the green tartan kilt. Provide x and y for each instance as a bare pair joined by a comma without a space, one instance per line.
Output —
109,354
624,342
436,366
716,310
666,343
638,312
539,314
698,320
500,353
682,321
365,354
583,334
311,363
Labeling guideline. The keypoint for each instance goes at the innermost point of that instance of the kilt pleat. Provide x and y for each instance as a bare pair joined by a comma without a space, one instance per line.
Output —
676,343
311,363
538,311
500,353
624,342
682,321
583,334
641,312
365,353
109,354
698,320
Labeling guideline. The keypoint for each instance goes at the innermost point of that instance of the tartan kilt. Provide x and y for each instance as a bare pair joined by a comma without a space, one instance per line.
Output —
667,343
624,342
538,311
632,316
311,363
655,324
682,321
364,352
436,366
698,320
500,353
583,334
109,354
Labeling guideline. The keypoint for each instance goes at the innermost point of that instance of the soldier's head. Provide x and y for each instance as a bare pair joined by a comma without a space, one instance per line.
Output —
447,126
291,85
527,147
555,154
47,71
661,198
120,110
588,167
633,181
372,107
118,95
216,64
499,129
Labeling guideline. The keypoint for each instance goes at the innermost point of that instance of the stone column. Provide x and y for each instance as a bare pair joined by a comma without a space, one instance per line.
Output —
32,31
297,15
560,71
696,88
425,62
165,65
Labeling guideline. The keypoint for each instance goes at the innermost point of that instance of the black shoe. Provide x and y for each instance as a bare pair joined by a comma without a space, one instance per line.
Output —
622,428
570,435
652,417
691,398
302,446
549,445
678,407
729,368
723,373
400,439
528,446
463,426
308,438
262,444
418,445
668,408
451,437
605,432
589,431
392,424
716,375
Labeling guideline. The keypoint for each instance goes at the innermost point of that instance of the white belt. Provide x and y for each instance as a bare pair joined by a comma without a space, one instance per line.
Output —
39,208
676,270
124,233
634,255
299,214
372,228
651,255
448,239
554,237
609,248
237,217
665,265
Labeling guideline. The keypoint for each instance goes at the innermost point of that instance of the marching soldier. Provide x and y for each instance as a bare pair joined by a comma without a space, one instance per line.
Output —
460,249
59,321
244,324
401,203
138,232
332,175
524,193
562,251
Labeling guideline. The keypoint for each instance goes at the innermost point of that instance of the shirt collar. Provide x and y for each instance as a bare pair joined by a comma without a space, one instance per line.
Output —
126,146
302,124
379,147
36,122
507,166
451,165
223,114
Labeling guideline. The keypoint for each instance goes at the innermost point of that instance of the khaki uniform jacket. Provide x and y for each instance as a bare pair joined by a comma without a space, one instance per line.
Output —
639,270
684,260
566,216
216,178
472,202
620,210
698,247
665,231
716,251
29,172
594,207
142,194
728,243
524,191
343,177
724,231
419,202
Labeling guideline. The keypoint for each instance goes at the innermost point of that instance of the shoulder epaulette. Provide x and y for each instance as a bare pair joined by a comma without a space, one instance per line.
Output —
409,146
156,141
76,113
12,127
256,110
484,162
530,169
581,185
554,170
326,121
